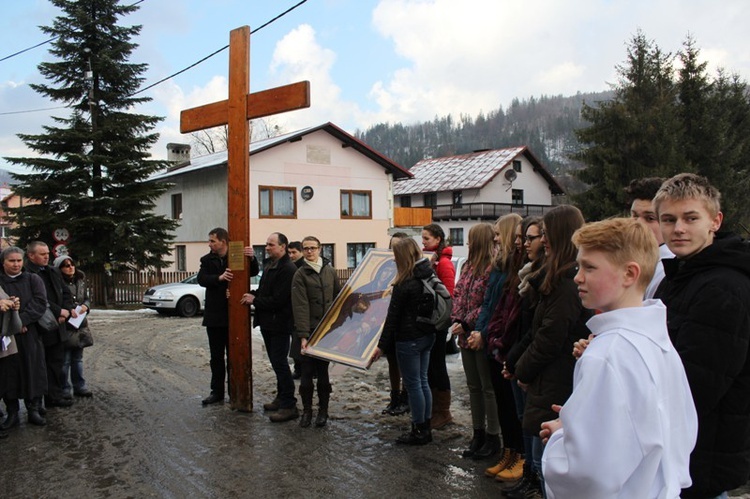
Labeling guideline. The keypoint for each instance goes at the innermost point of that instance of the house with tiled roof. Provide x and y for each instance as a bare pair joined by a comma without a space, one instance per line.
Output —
481,186
319,181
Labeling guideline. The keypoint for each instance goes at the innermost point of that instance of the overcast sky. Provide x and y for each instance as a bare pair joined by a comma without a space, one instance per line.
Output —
372,61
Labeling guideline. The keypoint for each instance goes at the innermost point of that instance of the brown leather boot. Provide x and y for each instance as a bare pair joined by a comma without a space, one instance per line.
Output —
441,412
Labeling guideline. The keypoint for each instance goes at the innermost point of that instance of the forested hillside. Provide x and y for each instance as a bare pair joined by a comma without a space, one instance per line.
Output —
545,124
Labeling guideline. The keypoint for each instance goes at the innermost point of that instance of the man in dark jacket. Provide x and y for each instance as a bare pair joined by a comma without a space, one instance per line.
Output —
707,294
60,303
273,314
215,277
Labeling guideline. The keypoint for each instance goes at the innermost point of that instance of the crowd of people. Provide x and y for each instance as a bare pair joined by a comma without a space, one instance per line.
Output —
41,361
602,359
607,359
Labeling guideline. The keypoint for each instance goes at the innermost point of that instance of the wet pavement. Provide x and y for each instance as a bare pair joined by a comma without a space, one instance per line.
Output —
145,434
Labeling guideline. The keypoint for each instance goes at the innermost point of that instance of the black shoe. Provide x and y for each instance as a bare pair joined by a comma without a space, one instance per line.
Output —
284,414
10,421
83,392
306,419
61,402
36,419
322,418
67,396
490,448
214,398
296,374
392,404
419,435
477,441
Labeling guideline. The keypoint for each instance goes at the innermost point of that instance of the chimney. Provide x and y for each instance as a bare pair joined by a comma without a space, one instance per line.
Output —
178,153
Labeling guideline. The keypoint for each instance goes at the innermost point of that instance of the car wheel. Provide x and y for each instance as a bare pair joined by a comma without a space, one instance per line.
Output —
188,306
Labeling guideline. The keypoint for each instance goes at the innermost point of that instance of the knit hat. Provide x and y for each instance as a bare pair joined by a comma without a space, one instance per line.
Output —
60,259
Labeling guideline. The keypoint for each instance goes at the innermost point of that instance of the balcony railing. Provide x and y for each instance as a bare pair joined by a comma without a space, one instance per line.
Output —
486,211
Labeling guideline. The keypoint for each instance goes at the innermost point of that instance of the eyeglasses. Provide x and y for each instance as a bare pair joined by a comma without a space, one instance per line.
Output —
310,248
66,265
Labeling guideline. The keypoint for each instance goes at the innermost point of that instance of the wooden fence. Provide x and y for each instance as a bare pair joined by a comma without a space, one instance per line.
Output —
127,288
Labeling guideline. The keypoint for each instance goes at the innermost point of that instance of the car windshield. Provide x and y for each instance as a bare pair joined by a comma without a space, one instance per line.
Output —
193,279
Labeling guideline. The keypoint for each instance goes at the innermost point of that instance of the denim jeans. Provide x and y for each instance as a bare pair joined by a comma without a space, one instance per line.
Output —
537,449
277,348
414,360
73,369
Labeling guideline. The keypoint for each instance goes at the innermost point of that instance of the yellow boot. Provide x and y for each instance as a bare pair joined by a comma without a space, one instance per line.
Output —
503,463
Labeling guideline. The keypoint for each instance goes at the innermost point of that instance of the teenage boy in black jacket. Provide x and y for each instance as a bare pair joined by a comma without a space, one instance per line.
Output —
707,294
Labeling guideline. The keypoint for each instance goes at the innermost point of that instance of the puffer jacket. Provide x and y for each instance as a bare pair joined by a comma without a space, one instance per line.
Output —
401,321
312,295
547,364
708,318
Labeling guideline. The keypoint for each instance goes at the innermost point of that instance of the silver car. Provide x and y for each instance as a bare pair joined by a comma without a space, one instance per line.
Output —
186,298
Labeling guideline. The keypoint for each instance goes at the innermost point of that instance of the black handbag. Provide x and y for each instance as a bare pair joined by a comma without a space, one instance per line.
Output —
80,338
48,321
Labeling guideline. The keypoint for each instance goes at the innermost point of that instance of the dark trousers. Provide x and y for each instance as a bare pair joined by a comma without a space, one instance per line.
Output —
437,373
218,345
54,356
311,367
507,413
277,348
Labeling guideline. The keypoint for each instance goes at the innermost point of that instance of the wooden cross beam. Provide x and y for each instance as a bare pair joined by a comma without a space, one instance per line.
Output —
235,113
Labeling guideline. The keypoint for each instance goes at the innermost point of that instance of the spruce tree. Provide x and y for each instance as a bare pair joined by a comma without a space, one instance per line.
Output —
90,175
635,134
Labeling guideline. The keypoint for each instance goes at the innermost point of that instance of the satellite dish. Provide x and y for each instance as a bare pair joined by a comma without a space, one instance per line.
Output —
510,175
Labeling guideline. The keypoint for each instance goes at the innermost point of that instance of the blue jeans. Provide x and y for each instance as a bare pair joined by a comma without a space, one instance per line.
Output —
73,369
414,360
537,449
277,348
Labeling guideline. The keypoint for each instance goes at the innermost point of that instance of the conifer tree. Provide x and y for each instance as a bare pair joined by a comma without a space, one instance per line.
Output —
90,175
635,134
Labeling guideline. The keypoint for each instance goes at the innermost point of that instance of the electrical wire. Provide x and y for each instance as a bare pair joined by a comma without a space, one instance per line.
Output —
45,42
290,9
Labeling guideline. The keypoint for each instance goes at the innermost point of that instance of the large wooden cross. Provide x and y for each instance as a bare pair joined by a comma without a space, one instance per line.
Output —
235,113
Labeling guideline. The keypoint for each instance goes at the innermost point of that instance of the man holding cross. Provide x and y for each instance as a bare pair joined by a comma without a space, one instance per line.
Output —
235,112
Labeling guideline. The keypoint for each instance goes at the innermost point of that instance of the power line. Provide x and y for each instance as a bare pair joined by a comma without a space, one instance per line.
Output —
45,42
290,9
217,51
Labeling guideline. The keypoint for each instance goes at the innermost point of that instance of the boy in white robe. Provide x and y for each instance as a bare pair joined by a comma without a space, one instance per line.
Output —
630,424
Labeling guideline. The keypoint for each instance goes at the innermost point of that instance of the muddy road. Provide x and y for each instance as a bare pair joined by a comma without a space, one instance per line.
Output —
145,434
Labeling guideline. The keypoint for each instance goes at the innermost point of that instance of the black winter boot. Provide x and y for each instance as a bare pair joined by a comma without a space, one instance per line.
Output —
477,441
392,404
402,407
33,409
11,419
324,396
306,394
490,448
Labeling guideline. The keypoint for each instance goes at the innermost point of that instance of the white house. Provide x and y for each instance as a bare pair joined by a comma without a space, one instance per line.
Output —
319,181
482,186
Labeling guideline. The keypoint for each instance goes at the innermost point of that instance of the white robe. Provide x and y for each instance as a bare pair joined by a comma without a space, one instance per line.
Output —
630,424
664,252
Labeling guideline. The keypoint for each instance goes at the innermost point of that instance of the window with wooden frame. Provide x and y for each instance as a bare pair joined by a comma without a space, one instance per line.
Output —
180,257
177,206
356,204
277,202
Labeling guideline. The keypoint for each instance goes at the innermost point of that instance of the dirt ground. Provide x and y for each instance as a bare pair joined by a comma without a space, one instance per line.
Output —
145,434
